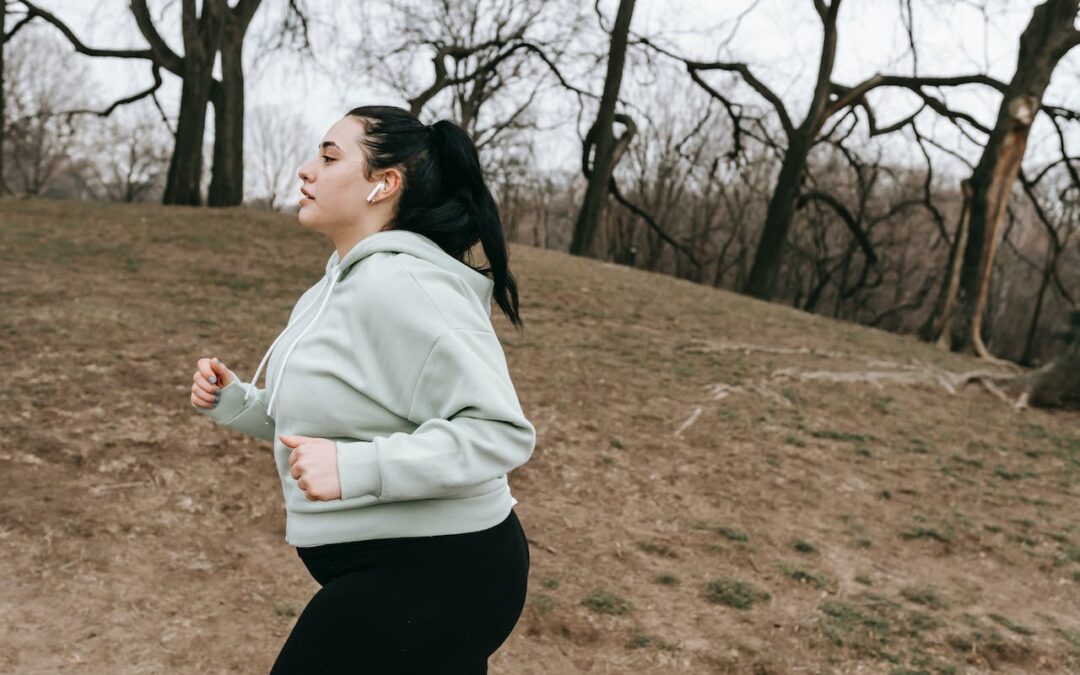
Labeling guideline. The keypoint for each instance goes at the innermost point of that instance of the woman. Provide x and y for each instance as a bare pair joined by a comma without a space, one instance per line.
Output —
391,409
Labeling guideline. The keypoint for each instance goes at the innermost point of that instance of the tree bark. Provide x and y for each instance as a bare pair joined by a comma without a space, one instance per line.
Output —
603,164
3,120
202,37
761,282
227,174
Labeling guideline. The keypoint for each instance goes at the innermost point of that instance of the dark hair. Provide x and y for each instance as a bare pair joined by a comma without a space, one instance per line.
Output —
443,193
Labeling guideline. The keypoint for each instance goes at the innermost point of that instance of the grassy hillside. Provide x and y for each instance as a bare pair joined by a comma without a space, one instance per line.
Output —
707,495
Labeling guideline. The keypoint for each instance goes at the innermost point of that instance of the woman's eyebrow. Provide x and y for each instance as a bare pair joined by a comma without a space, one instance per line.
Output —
328,144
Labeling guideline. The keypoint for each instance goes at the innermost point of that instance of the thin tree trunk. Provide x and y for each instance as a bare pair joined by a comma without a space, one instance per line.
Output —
227,174
770,249
3,119
603,139
202,37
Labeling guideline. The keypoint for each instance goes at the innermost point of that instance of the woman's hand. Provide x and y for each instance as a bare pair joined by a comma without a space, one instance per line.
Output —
314,466
211,376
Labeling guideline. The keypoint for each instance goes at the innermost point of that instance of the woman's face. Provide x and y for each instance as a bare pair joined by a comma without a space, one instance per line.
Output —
334,181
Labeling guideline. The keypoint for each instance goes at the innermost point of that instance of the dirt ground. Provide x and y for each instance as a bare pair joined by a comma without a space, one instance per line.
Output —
703,498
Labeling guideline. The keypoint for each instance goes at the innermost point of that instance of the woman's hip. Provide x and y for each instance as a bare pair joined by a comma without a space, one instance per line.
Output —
462,557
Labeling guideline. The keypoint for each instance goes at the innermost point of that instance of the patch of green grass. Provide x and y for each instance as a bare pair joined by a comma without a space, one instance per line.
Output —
863,579
866,630
1004,474
1033,430
549,582
944,535
606,602
968,461
286,609
666,579
926,533
838,435
873,626
733,535
543,602
658,549
733,593
881,404
804,547
1014,627
863,543
639,639
924,595
917,445
803,576
1030,542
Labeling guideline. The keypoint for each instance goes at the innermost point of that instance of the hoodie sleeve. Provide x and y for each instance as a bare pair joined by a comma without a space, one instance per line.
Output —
232,413
471,428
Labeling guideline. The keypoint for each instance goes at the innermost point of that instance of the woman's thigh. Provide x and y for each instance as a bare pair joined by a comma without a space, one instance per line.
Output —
431,605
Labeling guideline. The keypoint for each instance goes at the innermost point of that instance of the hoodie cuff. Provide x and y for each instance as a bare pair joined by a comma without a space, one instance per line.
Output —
358,469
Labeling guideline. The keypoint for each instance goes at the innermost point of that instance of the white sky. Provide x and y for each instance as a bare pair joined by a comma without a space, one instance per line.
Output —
779,38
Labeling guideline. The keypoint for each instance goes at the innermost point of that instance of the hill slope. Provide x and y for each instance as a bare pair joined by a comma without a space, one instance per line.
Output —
704,497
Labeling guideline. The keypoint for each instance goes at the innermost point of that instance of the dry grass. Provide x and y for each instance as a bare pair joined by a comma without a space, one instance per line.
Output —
691,507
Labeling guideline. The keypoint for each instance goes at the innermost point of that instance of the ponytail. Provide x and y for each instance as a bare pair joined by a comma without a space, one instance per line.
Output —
444,195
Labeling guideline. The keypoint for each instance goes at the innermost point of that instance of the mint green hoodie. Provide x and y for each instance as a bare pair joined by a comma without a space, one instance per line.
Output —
393,356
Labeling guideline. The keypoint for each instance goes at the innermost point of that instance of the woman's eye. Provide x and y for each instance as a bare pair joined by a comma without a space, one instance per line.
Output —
328,159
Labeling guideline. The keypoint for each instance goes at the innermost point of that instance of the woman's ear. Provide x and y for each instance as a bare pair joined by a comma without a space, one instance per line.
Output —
392,179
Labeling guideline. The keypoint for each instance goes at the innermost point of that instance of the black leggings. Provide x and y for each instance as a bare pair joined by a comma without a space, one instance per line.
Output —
411,605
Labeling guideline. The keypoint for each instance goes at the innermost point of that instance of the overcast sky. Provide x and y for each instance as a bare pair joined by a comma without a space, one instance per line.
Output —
779,38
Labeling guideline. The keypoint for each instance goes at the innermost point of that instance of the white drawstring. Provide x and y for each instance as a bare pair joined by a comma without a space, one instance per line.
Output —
331,279
281,369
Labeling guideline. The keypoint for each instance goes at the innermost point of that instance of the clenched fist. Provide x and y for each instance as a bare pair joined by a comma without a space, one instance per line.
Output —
314,466
211,376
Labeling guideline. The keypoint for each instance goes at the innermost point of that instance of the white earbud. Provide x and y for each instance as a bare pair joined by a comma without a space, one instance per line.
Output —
378,186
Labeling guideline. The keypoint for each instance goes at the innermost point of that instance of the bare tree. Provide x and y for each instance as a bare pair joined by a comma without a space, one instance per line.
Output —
798,137
602,150
41,80
227,177
124,157
278,141
1049,35
218,26
3,106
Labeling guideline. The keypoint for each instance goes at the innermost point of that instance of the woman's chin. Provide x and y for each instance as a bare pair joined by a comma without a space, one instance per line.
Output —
306,215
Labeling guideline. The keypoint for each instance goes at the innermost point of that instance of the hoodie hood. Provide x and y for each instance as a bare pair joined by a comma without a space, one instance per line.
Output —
413,243
397,241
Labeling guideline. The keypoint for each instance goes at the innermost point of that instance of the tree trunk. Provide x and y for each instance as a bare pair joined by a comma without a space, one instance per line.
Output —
3,119
185,166
933,328
202,37
603,139
227,178
1048,37
761,283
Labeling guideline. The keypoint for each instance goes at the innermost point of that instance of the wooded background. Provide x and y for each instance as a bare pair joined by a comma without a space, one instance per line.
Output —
931,196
